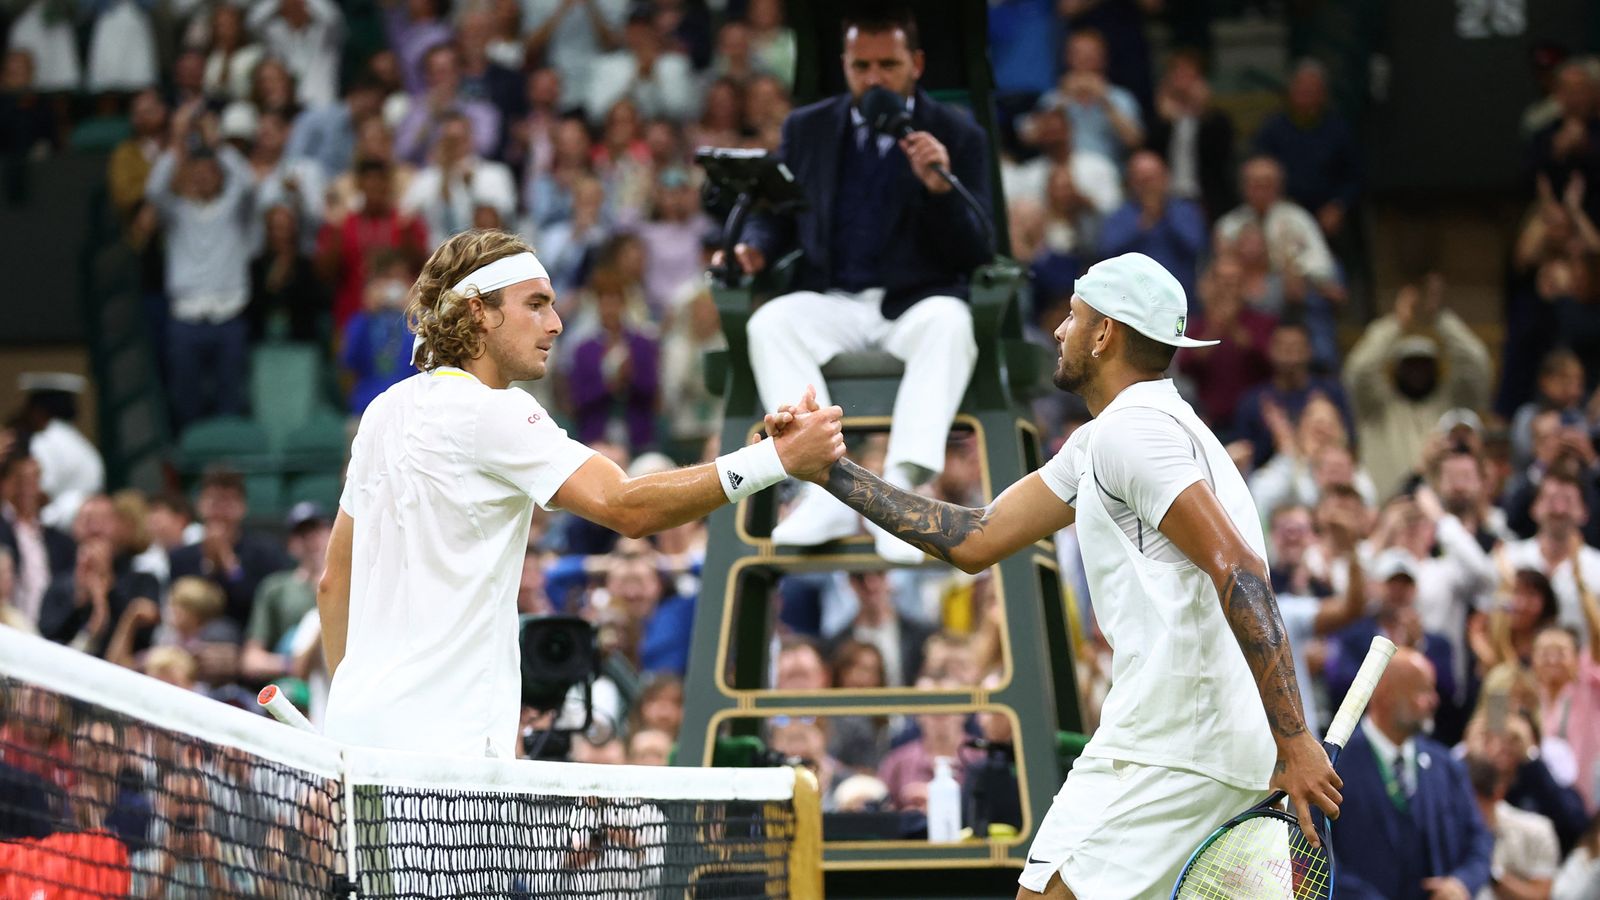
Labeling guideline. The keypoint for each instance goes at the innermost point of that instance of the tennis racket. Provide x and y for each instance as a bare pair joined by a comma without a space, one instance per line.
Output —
1261,854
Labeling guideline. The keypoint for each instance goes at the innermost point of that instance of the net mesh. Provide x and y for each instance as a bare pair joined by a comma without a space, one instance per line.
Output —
115,785
1262,857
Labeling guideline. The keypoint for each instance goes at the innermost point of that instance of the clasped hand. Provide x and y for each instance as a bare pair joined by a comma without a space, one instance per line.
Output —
810,438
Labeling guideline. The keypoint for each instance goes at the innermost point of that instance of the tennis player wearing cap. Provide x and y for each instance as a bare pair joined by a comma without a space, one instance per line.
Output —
418,601
1204,713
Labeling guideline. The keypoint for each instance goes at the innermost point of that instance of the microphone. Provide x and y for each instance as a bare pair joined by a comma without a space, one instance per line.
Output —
885,112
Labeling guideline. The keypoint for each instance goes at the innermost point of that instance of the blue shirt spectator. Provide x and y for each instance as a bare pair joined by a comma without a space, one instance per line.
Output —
1169,230
1320,159
1023,37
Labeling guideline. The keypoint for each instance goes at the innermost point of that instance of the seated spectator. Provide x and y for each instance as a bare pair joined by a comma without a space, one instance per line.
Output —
1282,399
271,91
374,143
649,747
1560,389
659,705
1093,176
598,751
772,42
635,586
42,553
1394,574
800,666
345,248
171,524
455,182
10,617
235,559
1568,674
203,193
806,740
1227,371
529,145
908,768
899,640
721,122
82,609
624,163
33,736
194,622
376,345
1526,854
1502,729
42,52
419,130
1506,633
1193,136
284,598
658,79
547,193
1570,145
1295,244
672,237
1312,612
859,742
131,161
413,27
287,299
1168,229
307,36
1398,387
766,106
1310,456
173,665
187,850
331,135
695,413
1316,148
233,57
615,376
1579,876
1105,117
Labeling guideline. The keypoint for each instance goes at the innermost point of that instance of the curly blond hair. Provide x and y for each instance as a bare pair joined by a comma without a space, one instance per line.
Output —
440,316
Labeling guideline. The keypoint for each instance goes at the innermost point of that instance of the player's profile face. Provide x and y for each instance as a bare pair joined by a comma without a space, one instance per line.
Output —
880,59
520,338
1075,334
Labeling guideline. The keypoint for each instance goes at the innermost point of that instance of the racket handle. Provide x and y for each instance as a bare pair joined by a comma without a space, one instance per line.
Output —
281,709
1355,702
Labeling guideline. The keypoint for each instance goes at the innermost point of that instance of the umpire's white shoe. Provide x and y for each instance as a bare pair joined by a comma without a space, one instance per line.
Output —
816,518
892,549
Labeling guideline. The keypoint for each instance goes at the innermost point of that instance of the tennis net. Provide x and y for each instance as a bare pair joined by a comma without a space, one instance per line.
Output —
113,784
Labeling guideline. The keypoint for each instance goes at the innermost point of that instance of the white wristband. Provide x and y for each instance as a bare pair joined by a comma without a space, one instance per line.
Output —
750,469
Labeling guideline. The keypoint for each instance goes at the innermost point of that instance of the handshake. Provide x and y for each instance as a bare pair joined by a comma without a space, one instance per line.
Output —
809,439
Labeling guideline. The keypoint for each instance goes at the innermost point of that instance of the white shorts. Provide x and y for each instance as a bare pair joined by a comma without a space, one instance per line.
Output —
1120,830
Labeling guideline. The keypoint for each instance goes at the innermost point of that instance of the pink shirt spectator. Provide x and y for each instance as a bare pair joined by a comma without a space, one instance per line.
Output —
910,764
1574,716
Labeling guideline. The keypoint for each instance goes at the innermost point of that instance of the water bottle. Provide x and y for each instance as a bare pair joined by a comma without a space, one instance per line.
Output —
944,803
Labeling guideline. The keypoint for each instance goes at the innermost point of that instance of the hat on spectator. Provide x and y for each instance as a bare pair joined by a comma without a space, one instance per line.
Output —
1392,563
1416,346
306,512
1460,417
60,382
239,121
1141,294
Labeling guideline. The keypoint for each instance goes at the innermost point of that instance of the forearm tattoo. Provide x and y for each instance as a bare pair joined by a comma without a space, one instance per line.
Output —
1252,613
932,526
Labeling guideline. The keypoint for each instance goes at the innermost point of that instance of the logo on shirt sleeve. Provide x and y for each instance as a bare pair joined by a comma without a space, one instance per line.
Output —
534,419
735,479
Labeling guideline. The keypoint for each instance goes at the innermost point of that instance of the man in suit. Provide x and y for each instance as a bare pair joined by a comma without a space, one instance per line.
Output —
900,641
888,250
1395,574
1409,827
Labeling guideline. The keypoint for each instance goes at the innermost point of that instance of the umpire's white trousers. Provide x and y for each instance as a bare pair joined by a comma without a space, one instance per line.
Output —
792,335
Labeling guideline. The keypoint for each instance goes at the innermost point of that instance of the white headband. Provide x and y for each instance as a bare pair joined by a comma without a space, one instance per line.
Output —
502,273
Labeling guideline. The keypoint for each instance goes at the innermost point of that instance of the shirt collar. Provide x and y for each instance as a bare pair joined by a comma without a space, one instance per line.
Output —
1141,389
1386,748
452,372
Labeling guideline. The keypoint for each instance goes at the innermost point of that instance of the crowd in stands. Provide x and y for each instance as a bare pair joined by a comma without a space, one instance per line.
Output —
279,185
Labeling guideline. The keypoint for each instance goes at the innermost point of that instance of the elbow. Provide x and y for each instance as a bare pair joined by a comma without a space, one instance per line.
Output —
970,562
636,524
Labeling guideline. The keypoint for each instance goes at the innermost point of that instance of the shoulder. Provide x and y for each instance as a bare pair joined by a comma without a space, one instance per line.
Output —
950,116
812,113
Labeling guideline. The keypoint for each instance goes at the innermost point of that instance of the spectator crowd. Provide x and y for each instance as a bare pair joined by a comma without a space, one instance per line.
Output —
283,181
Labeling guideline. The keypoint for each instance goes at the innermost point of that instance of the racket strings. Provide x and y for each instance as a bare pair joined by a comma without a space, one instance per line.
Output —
1259,858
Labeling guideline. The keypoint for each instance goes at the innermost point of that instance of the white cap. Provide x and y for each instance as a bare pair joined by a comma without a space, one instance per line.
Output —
65,382
1460,417
1138,292
1392,562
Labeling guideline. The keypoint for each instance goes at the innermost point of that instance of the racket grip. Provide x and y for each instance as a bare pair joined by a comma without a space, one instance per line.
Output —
273,701
1355,701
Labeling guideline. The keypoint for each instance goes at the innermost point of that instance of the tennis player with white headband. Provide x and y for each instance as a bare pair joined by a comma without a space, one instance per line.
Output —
418,602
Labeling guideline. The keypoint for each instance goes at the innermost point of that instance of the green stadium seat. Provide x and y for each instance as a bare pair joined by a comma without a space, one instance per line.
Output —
320,487
321,443
240,444
285,386
100,134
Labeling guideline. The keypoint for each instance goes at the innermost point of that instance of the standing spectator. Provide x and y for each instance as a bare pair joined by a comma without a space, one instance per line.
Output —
413,28
42,552
530,140
1295,245
1557,548
1579,876
1396,384
129,167
1568,673
568,246
233,58
547,194
615,374
1289,388
456,182
330,134
1395,573
1313,142
203,194
188,81
1024,43
772,43
376,345
481,77
70,468
228,555
374,143
659,80
1105,117
284,598
672,237
1410,827
1168,229
1560,389
343,249
1225,372
1193,136
287,299
1557,447
694,413
1570,145
571,35
1526,854
30,125
306,35
1094,176
282,180
1309,456
442,98
1311,611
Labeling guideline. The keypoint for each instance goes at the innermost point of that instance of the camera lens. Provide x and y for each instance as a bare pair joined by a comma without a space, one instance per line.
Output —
558,647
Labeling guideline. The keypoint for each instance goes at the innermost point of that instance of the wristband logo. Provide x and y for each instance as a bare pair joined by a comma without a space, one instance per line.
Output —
735,479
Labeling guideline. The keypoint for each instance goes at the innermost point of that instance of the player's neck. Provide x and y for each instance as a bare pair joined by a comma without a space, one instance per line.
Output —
1110,385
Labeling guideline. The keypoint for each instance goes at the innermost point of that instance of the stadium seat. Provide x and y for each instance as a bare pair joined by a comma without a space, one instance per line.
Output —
285,386
240,444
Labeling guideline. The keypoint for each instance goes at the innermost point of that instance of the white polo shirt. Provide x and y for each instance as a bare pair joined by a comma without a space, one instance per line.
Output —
442,481
1181,693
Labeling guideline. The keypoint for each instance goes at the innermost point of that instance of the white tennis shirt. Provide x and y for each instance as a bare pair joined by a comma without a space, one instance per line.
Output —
1181,693
442,481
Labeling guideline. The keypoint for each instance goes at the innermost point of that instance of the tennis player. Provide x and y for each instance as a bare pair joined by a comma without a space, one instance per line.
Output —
1204,714
418,601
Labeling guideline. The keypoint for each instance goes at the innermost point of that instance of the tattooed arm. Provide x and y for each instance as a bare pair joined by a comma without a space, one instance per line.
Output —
970,539
1198,525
